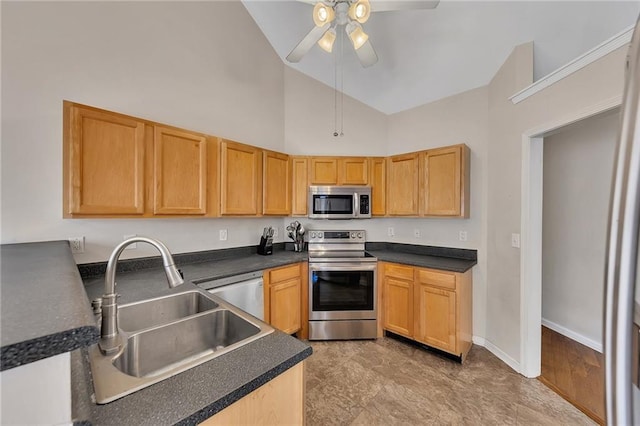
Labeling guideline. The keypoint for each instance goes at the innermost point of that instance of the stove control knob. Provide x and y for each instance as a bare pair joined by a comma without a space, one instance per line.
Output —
353,235
312,235
359,234
320,235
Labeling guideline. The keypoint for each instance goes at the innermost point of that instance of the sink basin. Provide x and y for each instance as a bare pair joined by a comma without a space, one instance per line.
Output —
152,352
165,336
162,310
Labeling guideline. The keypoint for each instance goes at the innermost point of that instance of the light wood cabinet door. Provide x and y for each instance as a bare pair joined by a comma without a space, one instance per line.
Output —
285,305
353,171
300,186
278,402
324,171
104,163
180,172
240,177
445,178
378,182
398,305
403,185
276,184
435,317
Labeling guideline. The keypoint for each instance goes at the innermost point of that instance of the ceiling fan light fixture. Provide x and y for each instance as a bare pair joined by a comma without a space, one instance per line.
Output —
360,11
327,40
322,14
357,35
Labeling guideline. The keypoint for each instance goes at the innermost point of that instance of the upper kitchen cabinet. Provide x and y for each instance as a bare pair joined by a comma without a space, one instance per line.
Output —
324,171
104,162
300,185
445,173
403,180
180,172
240,179
276,184
378,182
353,171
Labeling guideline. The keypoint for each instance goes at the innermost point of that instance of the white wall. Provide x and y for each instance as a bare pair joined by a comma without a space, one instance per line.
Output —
203,66
578,167
310,121
598,82
37,393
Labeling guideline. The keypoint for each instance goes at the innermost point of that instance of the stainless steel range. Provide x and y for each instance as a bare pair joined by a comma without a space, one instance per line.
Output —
342,286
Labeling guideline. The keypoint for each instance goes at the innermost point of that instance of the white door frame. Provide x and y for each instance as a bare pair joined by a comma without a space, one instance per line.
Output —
531,229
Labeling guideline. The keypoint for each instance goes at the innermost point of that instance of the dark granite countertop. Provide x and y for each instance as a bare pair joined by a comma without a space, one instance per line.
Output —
193,395
198,393
58,320
448,259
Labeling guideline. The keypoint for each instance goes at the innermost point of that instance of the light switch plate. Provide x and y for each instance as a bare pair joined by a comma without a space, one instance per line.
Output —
223,235
515,240
462,235
390,232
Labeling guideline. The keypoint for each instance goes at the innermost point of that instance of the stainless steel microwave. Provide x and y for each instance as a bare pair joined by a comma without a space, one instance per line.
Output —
339,202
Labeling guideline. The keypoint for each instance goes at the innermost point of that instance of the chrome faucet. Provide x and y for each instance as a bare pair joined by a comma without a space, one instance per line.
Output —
110,340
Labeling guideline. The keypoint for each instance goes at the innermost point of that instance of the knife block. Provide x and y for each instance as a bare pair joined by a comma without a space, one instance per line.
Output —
266,246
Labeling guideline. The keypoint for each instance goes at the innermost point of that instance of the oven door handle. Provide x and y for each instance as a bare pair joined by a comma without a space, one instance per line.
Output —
343,266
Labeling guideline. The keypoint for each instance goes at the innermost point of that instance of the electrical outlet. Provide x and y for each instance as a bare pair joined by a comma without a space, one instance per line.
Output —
131,246
223,235
416,233
275,232
462,236
77,244
390,231
515,240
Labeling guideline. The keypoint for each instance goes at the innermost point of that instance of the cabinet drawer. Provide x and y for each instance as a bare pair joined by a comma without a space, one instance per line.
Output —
439,279
283,274
398,271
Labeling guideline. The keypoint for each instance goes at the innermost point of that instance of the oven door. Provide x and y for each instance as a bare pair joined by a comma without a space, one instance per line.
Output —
340,291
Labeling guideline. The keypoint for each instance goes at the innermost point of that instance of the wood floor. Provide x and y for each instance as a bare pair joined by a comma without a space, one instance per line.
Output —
575,372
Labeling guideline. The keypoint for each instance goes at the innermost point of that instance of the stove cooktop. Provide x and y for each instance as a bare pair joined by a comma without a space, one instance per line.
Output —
341,256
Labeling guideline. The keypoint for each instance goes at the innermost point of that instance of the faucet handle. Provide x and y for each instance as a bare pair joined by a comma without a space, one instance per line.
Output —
96,305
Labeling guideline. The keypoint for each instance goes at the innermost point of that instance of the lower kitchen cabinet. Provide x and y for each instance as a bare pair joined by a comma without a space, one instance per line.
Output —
278,402
284,290
429,306
398,299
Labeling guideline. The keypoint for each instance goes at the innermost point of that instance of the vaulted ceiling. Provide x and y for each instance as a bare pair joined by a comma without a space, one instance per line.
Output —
425,55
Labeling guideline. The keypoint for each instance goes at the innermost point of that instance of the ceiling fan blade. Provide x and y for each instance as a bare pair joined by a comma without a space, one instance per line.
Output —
307,43
366,55
388,6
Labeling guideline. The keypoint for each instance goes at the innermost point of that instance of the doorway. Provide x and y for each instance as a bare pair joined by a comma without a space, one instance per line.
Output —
577,174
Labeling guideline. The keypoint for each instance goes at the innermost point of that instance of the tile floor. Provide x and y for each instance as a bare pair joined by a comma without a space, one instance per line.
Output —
387,382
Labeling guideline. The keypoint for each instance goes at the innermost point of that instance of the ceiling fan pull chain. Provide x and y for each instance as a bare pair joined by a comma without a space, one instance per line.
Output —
342,85
335,94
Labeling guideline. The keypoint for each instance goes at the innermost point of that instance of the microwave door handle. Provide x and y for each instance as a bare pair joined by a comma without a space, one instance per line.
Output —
356,203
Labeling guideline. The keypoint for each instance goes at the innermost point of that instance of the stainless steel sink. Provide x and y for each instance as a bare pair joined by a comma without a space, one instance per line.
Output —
152,352
165,336
162,310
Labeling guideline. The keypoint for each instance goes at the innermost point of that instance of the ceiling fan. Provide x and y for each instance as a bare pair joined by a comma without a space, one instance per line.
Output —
331,16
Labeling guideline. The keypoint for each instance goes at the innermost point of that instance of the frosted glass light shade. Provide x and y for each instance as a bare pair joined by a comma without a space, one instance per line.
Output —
322,14
360,11
327,40
358,37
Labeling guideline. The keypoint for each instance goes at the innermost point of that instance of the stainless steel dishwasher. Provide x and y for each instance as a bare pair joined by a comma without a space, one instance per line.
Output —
244,291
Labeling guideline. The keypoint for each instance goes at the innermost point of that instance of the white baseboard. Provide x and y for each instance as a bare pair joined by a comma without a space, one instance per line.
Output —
595,345
515,365
477,340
